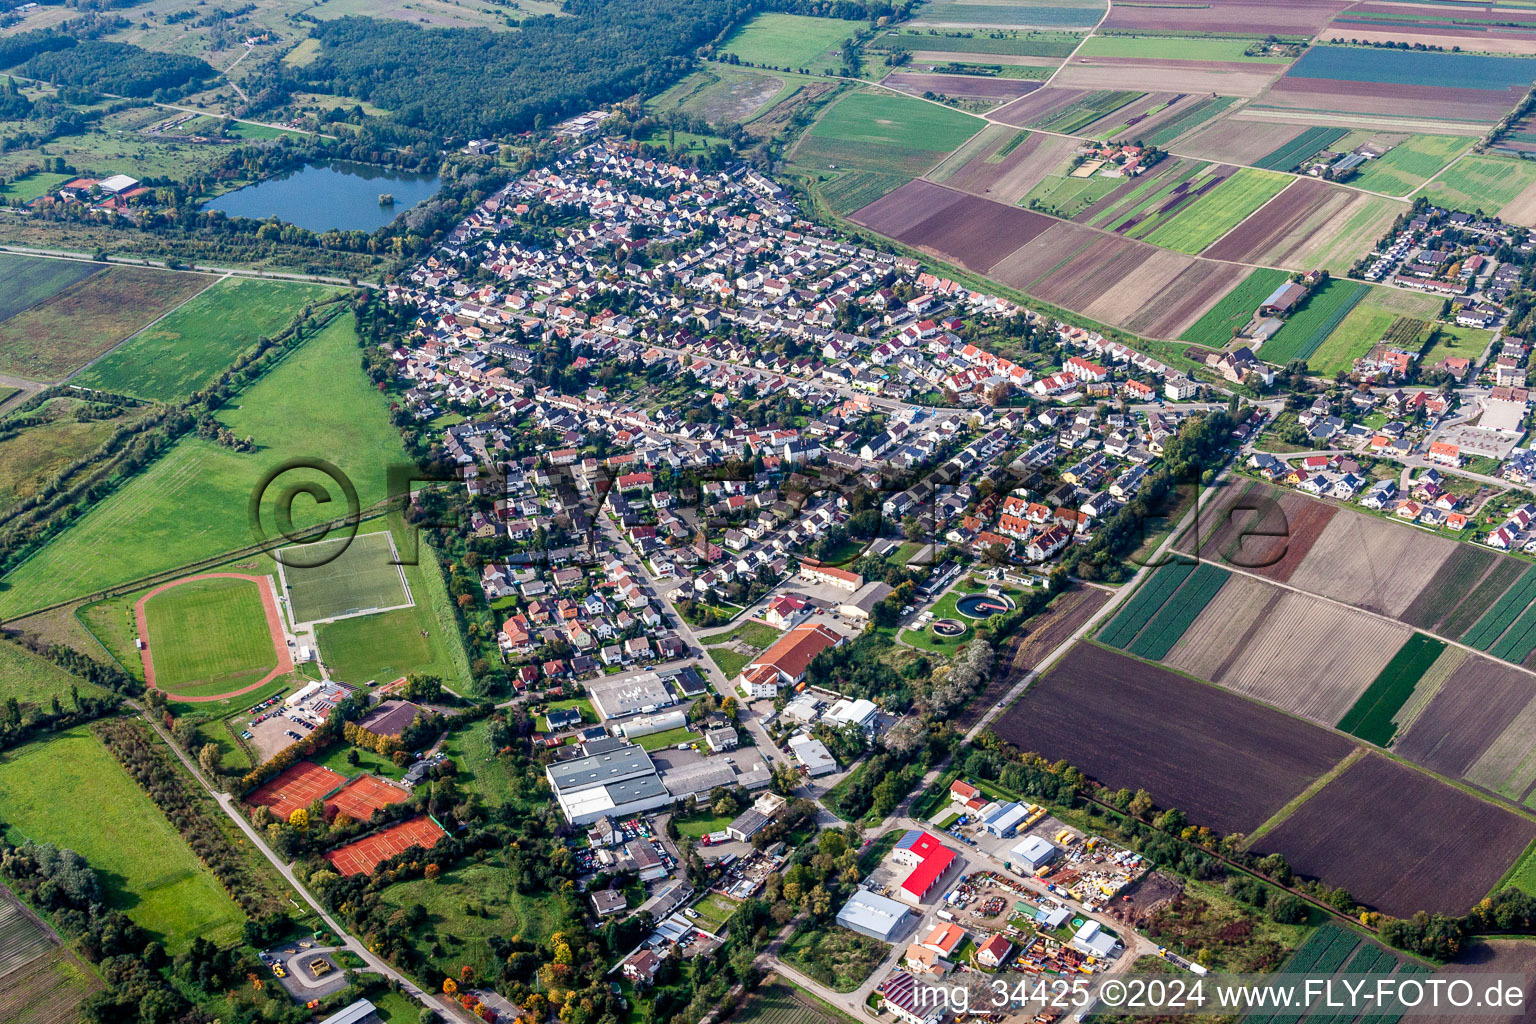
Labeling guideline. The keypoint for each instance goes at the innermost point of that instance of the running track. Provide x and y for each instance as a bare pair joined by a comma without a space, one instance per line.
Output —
274,626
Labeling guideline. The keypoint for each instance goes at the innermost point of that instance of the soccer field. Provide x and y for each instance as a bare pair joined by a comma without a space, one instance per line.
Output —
208,631
363,578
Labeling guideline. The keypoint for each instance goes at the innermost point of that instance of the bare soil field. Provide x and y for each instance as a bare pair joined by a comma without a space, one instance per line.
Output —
1224,78
1521,209
1313,658
1223,760
1260,529
1134,292
1038,105
1471,709
974,232
1083,279
1399,840
1428,687
1260,17
1334,234
1186,299
1461,574
1225,627
1239,141
1492,956
1008,178
1508,766
969,86
1022,268
1278,219
1371,563
1327,94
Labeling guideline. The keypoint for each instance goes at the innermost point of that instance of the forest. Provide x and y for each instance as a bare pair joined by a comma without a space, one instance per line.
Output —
116,68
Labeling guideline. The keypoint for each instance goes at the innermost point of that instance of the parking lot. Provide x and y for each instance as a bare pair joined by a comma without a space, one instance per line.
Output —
306,971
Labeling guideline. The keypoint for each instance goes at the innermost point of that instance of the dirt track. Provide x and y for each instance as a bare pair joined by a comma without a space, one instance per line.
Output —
274,625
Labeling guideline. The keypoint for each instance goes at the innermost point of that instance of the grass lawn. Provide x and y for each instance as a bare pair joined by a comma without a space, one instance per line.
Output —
70,791
208,631
479,770
31,457
1236,308
359,575
1447,340
31,186
50,340
190,347
1159,47
1369,322
753,634
394,1008
1479,182
1410,163
34,681
1219,210
380,648
1066,196
668,738
191,503
791,41
715,910
1522,875
696,825
335,758
884,132
28,280
731,662
473,902
582,704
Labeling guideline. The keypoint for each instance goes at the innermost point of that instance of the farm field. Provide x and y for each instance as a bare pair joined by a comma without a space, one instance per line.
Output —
1505,611
1129,724
1161,47
791,41
1459,88
1197,114
1400,840
1161,584
40,982
180,506
190,347
1372,716
1470,569
1302,18
1261,529
1482,182
1019,44
1350,562
1067,14
27,280
57,336
1065,196
1290,155
853,190
1381,313
1218,211
211,631
779,1002
883,132
30,457
1179,612
70,791
1476,726
1410,163
1308,327
1216,328
973,232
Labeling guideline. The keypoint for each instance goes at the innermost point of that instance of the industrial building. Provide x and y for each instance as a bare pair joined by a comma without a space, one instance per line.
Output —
1002,820
784,663
1031,854
642,694
878,917
1092,940
930,861
619,783
863,714
813,754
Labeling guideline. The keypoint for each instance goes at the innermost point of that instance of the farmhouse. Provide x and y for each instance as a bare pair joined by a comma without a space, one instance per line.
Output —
784,663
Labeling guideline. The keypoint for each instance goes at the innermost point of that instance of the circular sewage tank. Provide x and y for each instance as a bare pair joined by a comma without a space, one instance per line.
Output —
981,606
949,628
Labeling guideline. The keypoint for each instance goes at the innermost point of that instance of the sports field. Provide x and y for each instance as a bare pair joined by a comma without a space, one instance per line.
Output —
362,796
70,791
192,503
1218,211
360,857
884,132
356,581
1159,47
53,338
791,41
1410,163
208,633
28,280
190,347
296,786
382,647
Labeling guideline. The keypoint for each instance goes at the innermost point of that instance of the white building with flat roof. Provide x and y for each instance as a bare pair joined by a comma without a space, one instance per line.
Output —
878,917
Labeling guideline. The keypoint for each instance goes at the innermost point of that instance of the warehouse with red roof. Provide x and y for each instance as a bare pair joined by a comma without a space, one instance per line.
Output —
930,861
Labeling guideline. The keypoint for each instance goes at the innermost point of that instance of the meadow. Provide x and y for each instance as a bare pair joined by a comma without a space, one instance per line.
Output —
34,681
883,132
1311,325
70,791
1410,163
31,186
1236,308
190,347
27,280
791,41
1478,182
1447,340
1066,196
191,505
1377,314
1013,44
55,337
31,456
209,631
1218,211
1160,47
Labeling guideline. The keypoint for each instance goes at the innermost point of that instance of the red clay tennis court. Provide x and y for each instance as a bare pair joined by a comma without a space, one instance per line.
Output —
361,857
295,787
363,795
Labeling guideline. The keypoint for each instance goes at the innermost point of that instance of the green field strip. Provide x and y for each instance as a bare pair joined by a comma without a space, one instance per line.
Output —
1193,226
1504,612
1234,309
1310,326
1472,607
1179,613
1286,157
1195,172
1145,603
1519,640
1196,115
1429,686
1371,716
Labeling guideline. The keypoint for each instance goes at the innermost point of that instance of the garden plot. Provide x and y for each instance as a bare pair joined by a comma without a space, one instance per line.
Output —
1371,563
1313,658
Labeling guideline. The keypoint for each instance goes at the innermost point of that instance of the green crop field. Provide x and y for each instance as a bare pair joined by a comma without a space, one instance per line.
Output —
1087,110
1288,156
968,12
53,338
884,132
1236,308
1379,313
1179,612
34,681
210,631
1371,716
1504,611
192,503
1319,316
791,41
1201,112
1144,604
1011,44
1519,640
1066,196
1200,223
362,576
853,190
27,280
190,347
1478,182
780,1002
1159,47
1410,163
70,791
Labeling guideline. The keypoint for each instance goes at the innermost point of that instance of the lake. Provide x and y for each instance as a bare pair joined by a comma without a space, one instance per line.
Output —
335,194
